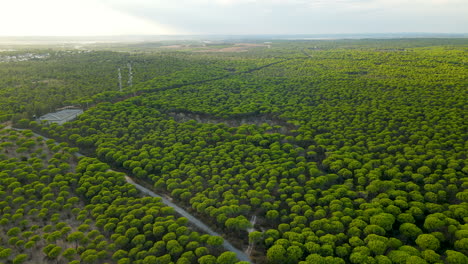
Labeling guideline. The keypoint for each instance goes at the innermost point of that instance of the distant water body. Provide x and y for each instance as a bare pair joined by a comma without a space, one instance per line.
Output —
152,38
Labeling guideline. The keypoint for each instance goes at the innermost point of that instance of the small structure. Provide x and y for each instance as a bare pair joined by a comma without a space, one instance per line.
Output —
120,81
130,75
61,116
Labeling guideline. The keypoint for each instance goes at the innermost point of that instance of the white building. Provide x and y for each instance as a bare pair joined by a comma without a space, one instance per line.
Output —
61,116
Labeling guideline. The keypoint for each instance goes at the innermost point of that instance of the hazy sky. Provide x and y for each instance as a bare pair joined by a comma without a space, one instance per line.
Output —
153,17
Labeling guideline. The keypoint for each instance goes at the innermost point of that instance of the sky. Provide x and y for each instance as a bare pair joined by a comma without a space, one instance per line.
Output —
229,17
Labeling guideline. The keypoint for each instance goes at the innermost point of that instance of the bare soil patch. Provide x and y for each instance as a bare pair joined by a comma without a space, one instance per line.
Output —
238,47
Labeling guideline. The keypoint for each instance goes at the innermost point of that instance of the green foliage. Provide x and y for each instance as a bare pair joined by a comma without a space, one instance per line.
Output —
416,260
455,257
99,199
410,230
356,153
428,241
5,253
21,258
227,258
430,256
207,259
54,252
73,77
69,253
383,220
215,241
276,254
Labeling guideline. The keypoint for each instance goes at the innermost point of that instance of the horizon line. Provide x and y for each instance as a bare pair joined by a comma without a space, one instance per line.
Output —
239,34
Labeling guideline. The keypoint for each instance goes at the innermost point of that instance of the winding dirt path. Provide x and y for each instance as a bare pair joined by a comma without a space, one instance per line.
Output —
192,219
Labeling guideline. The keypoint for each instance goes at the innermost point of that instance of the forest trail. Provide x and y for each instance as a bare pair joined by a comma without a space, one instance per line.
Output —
258,119
307,54
253,220
192,219
134,93
199,224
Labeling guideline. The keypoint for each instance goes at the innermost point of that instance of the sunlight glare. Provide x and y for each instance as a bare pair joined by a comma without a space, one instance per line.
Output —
72,18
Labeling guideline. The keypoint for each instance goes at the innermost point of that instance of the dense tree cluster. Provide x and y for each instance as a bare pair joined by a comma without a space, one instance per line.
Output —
37,86
370,169
49,213
40,210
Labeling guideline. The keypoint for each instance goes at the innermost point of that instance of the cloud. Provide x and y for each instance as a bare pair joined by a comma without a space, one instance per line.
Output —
301,16
73,17
94,17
